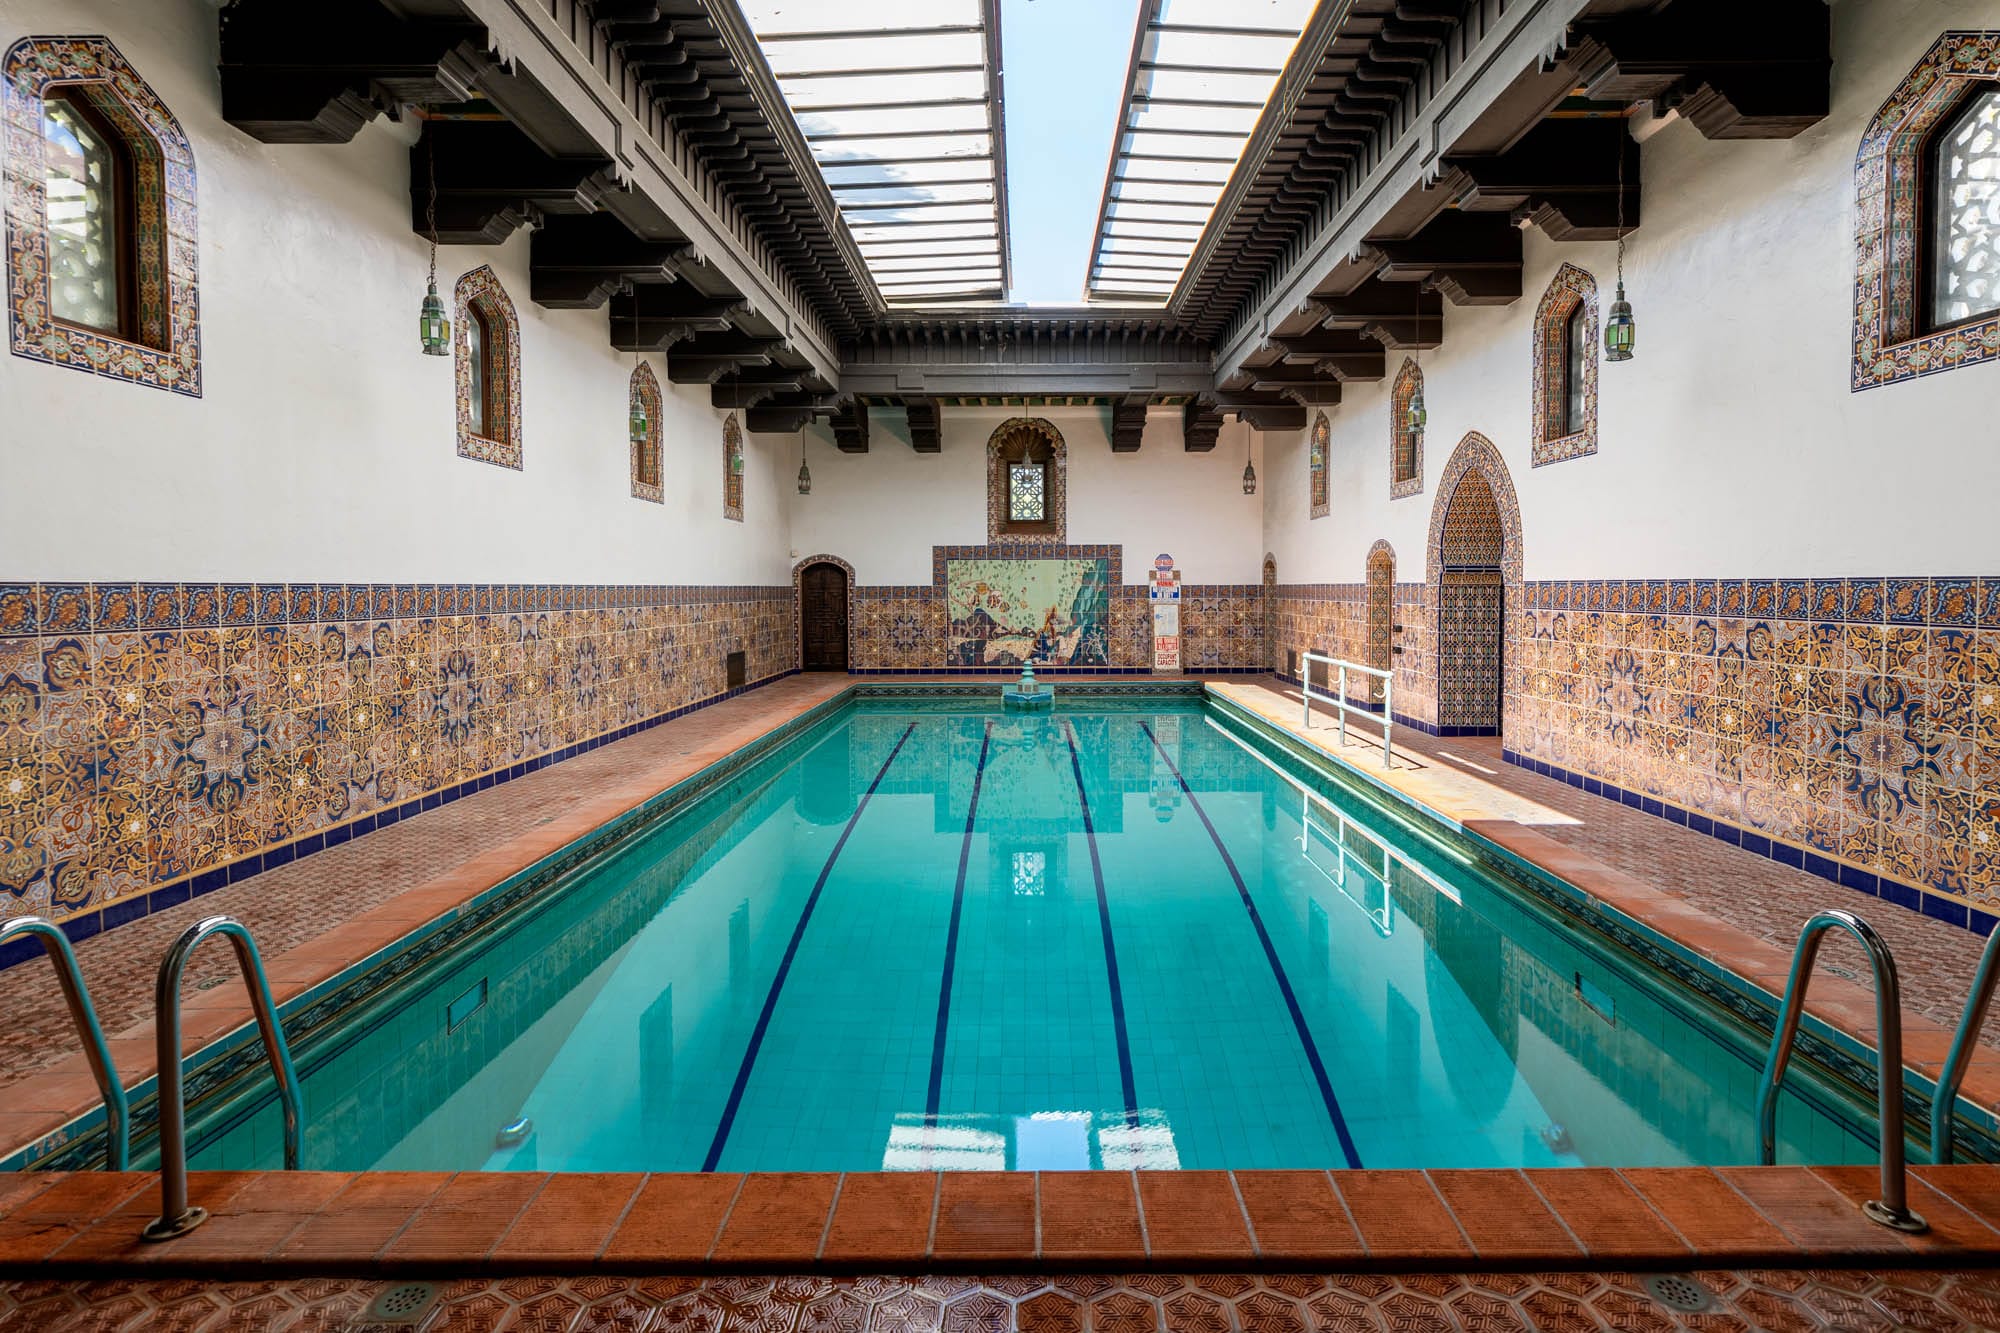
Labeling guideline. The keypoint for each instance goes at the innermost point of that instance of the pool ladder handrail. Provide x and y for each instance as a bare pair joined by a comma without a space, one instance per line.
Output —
1977,1002
117,1116
177,1218
1893,1208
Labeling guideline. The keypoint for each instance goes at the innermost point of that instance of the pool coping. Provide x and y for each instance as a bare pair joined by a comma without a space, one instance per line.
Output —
87,1222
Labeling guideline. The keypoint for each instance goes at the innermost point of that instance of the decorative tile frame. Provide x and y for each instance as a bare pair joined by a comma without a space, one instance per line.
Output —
645,388
799,606
1057,531
1407,381
1270,610
732,469
1474,454
1889,346
1321,439
164,184
1380,577
1569,288
481,287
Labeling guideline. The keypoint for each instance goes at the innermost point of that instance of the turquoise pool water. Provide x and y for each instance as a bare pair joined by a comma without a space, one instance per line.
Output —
944,937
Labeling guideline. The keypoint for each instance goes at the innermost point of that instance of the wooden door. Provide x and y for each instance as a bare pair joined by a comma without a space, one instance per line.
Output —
823,618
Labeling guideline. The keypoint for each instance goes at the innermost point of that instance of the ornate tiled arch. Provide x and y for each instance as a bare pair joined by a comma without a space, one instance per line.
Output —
1474,456
1571,287
996,486
481,287
646,482
799,606
1888,213
169,357
1379,583
1408,380
1476,453
1319,442
732,468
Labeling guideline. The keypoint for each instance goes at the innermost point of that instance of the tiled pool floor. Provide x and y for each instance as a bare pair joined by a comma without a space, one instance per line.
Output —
1737,1302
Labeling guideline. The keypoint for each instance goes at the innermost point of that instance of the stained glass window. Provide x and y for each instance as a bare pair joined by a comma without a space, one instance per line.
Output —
477,348
1965,214
84,220
1027,493
732,468
1322,434
1582,345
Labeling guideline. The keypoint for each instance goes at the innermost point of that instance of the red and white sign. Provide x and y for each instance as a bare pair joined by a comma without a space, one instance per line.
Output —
1165,594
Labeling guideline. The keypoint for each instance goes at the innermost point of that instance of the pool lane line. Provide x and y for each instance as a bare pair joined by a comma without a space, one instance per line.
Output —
785,965
951,935
1125,1078
1271,955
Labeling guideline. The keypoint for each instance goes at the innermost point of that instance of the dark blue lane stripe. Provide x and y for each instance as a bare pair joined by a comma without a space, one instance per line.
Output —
785,966
1271,954
1110,949
951,936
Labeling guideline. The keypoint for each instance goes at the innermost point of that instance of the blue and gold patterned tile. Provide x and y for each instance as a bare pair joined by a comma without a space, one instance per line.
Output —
1907,601
159,606
407,600
330,603
1707,597
1867,601
1954,601
1829,599
301,603
1761,598
239,604
114,607
382,601
201,605
1794,599
273,605
1732,597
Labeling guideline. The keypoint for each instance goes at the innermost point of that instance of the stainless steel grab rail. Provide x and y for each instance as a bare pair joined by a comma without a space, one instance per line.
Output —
176,1217
1976,1004
117,1117
1893,1208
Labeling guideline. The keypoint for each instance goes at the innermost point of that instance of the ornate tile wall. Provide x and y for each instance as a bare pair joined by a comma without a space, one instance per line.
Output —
502,447
158,739
1849,726
1332,618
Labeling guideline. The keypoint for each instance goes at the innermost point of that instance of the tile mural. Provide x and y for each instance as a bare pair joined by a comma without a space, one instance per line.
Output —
159,733
1006,612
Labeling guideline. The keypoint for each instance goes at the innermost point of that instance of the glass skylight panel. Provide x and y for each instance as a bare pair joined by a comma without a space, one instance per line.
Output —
1201,73
898,101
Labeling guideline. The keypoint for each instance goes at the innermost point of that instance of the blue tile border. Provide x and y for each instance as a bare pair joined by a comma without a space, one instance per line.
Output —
1939,907
126,910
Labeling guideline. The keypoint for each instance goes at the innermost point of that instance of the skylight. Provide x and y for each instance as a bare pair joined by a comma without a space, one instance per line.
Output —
899,101
1201,72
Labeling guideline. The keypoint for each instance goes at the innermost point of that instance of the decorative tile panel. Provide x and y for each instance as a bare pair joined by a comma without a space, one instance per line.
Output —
1406,444
1319,446
168,354
1055,526
481,288
141,750
645,392
1570,288
1889,208
732,468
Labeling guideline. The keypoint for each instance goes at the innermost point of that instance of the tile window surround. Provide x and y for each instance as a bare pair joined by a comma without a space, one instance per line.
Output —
159,740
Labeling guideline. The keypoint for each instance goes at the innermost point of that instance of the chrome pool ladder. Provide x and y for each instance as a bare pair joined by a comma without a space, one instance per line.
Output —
117,1118
177,1218
1893,1208
1977,1002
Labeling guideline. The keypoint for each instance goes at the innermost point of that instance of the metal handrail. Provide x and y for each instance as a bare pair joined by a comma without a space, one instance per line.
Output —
1967,1037
117,1118
1893,1208
1339,701
177,1218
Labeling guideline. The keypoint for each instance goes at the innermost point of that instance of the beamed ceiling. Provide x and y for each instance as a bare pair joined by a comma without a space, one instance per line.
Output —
647,145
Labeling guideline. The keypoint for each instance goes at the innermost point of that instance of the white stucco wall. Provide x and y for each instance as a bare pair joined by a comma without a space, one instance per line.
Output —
1730,445
324,445
882,511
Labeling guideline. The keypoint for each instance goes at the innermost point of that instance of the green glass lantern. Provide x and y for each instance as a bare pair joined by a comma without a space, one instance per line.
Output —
641,426
1249,479
805,478
736,463
1415,416
432,326
1620,333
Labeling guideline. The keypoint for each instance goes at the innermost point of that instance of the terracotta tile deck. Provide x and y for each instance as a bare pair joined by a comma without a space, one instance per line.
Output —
1121,1303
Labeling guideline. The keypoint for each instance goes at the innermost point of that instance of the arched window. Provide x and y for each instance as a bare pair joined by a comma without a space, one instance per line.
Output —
1406,440
101,248
1320,443
488,361
1927,218
645,437
1962,197
1025,482
1565,368
732,468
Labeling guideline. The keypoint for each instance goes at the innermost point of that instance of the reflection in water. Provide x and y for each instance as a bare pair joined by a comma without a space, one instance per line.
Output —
1040,1141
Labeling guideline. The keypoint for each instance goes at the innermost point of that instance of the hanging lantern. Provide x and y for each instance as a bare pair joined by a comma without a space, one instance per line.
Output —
1249,479
1415,415
641,426
1620,333
432,326
805,478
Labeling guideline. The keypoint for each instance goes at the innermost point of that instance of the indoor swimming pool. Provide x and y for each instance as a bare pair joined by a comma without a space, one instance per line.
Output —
1125,934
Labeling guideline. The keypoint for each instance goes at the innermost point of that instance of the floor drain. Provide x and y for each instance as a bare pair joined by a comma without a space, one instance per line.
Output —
1678,1292
405,1303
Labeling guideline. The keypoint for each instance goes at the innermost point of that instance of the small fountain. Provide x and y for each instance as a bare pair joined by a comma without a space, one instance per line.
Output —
1025,696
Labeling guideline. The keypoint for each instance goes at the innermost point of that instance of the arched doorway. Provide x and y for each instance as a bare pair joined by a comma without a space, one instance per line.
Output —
1381,614
1474,573
1271,654
824,585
